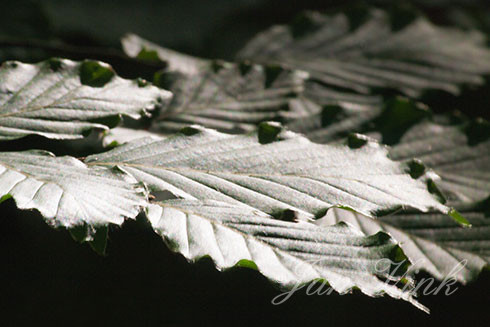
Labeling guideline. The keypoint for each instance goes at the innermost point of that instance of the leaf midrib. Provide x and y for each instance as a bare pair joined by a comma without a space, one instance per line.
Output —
212,172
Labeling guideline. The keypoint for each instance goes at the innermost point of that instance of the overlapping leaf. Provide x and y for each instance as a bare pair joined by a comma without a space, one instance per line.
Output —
431,241
459,154
332,123
67,192
228,97
289,253
344,55
63,99
225,96
274,171
387,122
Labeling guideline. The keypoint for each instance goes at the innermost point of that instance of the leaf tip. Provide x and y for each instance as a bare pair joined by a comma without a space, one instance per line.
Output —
434,190
148,55
244,67
459,218
415,168
217,65
268,132
95,236
247,264
271,72
191,130
55,64
356,141
477,131
95,73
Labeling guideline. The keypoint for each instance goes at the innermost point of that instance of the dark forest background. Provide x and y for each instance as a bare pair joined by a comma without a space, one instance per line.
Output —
47,278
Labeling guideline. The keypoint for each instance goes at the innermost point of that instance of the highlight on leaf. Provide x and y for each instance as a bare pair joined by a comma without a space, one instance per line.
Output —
64,99
289,173
288,253
432,241
69,193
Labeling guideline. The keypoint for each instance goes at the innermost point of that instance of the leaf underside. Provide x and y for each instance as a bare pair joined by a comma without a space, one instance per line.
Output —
458,152
289,173
228,97
432,241
464,168
63,99
255,199
291,254
67,192
356,60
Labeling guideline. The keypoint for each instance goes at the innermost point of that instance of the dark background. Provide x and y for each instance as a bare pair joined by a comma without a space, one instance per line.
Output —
46,277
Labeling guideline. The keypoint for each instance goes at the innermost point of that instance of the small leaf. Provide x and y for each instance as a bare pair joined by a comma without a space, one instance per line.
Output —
363,56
